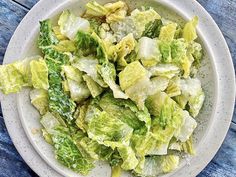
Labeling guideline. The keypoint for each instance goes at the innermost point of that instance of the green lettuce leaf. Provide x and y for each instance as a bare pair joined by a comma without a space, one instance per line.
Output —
186,130
131,74
165,70
152,29
90,67
65,46
167,32
93,149
129,159
94,9
77,87
15,76
148,51
123,48
189,31
71,24
127,112
91,44
39,99
116,11
68,154
47,37
39,72
108,130
94,88
192,94
59,102
108,73
173,88
156,165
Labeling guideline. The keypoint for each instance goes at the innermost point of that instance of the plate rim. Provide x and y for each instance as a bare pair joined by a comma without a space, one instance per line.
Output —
7,54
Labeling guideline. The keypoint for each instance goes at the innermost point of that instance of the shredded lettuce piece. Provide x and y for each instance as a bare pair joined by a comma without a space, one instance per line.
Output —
77,87
59,102
47,37
152,29
108,73
89,65
15,76
91,44
39,99
189,31
94,88
129,159
156,165
148,51
71,24
65,46
94,9
167,32
165,70
39,72
108,130
123,48
127,112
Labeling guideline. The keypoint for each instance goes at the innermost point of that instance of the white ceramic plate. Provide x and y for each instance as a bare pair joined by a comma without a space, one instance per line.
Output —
217,76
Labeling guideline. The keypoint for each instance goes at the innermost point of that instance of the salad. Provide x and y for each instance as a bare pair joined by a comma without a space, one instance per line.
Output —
116,85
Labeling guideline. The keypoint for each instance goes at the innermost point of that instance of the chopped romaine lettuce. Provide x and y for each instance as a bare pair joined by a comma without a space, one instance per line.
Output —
165,70
167,32
108,73
39,99
148,51
129,159
108,130
15,76
39,72
71,24
189,31
152,29
94,88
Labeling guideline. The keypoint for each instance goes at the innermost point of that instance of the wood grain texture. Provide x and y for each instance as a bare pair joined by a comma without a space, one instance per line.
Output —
223,12
27,3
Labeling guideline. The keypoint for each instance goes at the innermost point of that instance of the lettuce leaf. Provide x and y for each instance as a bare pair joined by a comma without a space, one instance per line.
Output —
39,72
148,51
123,48
108,73
91,44
47,37
165,70
129,159
15,76
116,11
71,24
94,9
39,99
89,65
77,87
65,46
127,112
186,130
94,88
108,130
167,32
68,154
156,165
59,102
152,29
189,31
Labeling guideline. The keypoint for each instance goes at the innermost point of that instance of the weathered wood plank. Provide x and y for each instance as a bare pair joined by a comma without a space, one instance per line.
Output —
27,3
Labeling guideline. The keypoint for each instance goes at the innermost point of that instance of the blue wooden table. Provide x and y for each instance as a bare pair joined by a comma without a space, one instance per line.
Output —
223,164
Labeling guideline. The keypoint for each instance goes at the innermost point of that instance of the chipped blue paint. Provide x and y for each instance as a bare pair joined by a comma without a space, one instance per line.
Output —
223,12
